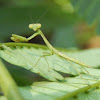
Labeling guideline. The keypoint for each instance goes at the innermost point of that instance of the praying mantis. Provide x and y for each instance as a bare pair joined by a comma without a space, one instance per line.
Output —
36,27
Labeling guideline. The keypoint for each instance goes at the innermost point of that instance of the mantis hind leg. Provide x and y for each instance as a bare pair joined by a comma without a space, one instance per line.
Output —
89,73
79,73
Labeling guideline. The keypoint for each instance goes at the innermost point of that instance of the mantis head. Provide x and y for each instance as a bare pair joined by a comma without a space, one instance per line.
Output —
35,27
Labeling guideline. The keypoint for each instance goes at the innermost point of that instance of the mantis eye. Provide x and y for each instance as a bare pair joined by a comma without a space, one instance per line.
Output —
39,25
31,26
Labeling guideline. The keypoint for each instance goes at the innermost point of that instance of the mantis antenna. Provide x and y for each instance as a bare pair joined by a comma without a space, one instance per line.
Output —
42,15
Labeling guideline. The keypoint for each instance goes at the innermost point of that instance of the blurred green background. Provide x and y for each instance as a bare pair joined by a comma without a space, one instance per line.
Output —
61,22
66,23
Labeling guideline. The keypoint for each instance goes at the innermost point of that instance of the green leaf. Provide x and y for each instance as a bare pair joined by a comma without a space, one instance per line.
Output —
76,88
7,84
72,89
29,57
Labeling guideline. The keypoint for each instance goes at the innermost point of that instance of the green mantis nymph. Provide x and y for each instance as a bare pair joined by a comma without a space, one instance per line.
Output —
36,27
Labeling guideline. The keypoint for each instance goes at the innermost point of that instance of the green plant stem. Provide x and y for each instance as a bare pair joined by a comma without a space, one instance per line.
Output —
8,85
55,51
74,93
